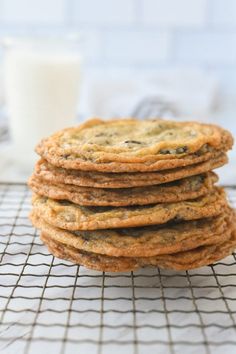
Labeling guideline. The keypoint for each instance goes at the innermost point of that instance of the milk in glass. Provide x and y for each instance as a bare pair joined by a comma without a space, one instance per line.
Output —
42,84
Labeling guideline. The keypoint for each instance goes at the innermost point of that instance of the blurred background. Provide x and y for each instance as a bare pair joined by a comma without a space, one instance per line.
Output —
174,58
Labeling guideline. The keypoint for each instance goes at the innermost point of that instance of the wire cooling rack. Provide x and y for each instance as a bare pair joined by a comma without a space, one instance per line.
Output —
54,306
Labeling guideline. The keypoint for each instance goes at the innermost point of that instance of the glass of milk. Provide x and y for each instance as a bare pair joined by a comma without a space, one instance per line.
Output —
42,79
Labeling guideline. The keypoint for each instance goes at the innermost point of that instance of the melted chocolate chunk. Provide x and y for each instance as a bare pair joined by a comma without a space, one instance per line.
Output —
132,142
181,150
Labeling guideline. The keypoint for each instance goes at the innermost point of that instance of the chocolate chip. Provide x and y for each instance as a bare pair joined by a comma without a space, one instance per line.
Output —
205,148
132,142
66,156
201,178
177,219
181,150
165,152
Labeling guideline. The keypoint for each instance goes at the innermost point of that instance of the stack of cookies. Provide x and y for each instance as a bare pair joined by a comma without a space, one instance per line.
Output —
123,194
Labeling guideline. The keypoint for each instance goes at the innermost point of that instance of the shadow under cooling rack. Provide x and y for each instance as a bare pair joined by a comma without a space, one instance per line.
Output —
54,306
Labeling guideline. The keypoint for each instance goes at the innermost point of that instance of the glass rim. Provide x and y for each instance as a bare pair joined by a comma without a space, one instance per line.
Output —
56,38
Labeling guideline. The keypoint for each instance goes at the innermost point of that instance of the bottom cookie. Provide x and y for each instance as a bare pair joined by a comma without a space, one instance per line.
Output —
186,260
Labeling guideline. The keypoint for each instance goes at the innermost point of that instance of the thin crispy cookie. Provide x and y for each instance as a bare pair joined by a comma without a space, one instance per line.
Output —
56,175
184,189
142,242
187,260
71,216
131,145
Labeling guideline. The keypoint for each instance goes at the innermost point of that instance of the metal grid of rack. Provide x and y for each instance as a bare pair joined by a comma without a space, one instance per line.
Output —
52,305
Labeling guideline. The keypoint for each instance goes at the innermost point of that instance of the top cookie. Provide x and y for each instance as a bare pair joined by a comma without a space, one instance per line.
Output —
129,145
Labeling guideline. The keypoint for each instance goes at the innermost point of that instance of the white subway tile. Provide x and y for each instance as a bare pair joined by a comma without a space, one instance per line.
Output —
205,47
33,11
223,12
1,14
104,12
227,77
92,47
174,12
137,47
